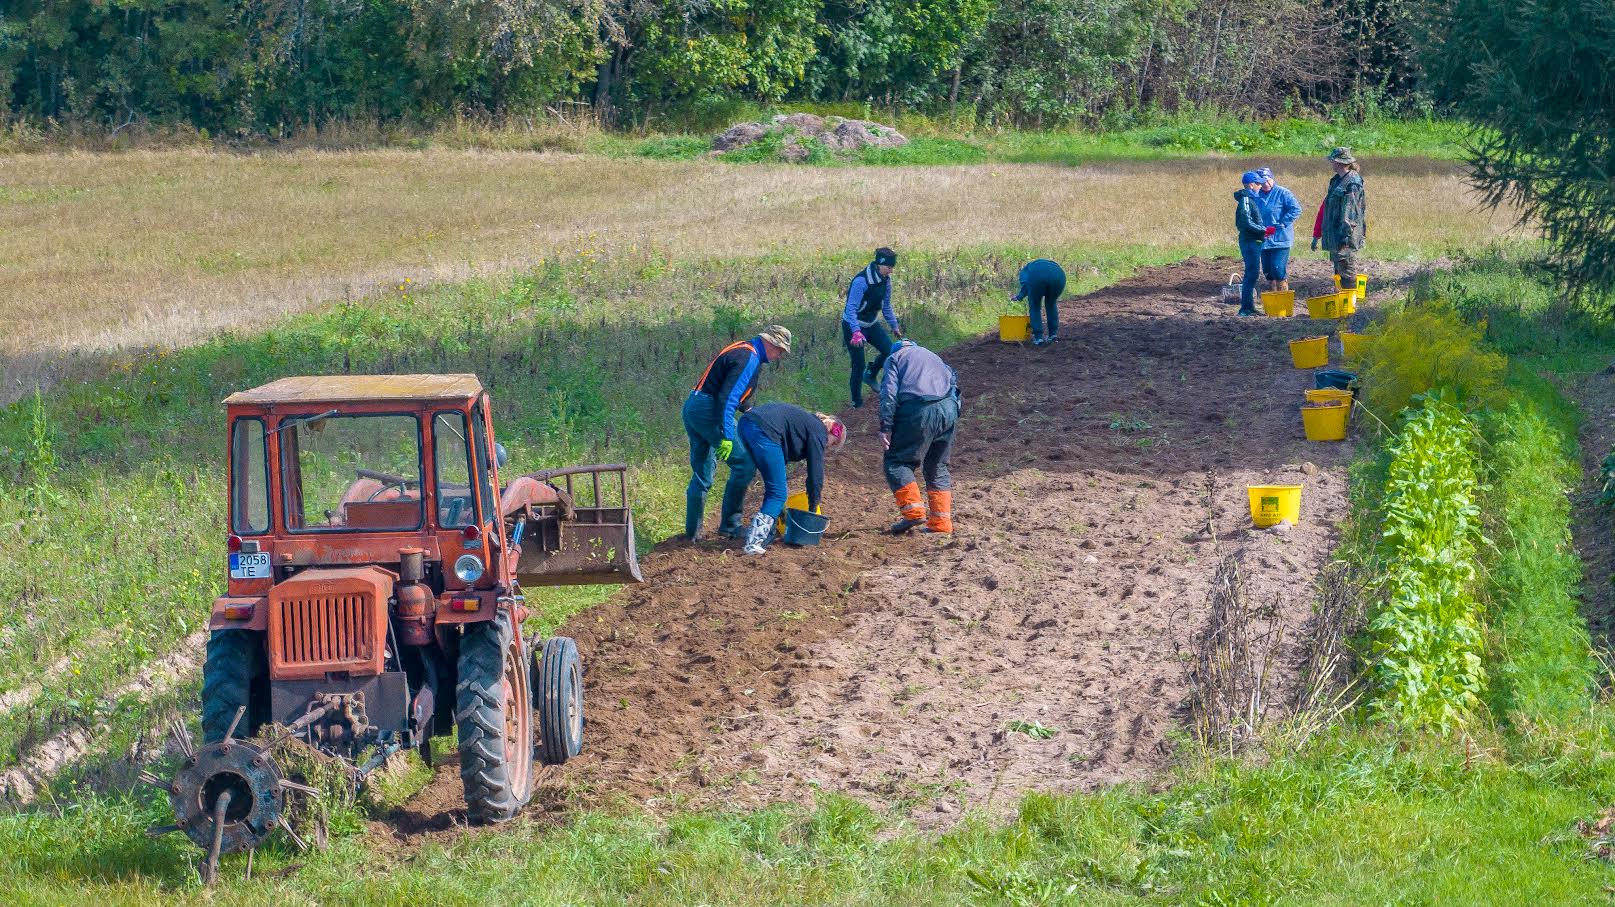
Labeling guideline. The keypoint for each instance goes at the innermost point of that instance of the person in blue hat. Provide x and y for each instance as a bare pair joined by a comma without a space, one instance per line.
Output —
1280,211
1253,232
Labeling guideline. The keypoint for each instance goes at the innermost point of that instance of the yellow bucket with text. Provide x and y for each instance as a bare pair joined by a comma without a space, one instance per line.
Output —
1333,305
1271,504
1279,303
1325,421
1351,345
1014,328
797,501
1362,283
1310,352
1328,395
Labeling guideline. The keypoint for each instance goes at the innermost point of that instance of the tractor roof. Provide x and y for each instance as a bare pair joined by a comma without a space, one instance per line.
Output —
356,388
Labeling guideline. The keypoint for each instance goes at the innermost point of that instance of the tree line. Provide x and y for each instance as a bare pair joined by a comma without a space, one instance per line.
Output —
267,67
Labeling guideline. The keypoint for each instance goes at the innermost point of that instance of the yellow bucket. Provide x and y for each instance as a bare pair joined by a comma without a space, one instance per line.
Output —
1328,395
1310,352
1351,345
797,501
1014,328
1334,305
1273,503
1325,421
1279,303
1362,283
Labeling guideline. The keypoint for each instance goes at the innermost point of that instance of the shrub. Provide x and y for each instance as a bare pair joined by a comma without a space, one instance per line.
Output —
1426,634
1418,348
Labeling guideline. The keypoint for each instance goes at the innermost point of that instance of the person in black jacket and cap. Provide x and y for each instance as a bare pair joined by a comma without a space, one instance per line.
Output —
869,299
1252,234
780,433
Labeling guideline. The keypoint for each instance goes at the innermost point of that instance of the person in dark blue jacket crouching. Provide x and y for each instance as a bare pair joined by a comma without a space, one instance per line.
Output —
1042,282
780,433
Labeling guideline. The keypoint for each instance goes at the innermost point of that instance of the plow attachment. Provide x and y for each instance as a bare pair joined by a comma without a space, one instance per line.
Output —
584,535
228,797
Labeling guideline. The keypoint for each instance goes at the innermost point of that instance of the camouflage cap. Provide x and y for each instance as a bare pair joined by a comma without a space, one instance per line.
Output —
1342,155
778,335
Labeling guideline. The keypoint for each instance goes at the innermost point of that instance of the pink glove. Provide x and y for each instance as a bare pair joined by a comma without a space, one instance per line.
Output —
857,338
1272,230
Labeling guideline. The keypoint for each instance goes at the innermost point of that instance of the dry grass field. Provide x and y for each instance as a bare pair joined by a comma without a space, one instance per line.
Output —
108,252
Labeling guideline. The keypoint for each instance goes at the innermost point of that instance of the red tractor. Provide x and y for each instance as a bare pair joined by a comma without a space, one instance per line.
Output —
376,572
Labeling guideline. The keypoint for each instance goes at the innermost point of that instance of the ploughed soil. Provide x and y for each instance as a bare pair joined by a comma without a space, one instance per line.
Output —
1592,524
1097,483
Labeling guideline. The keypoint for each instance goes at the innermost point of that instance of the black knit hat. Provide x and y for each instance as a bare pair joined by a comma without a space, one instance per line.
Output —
885,256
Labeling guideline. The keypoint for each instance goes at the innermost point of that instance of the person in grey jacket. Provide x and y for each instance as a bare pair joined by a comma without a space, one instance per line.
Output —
919,408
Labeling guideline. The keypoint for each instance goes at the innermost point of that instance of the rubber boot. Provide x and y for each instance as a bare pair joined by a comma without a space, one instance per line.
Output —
870,380
940,517
762,526
695,506
909,507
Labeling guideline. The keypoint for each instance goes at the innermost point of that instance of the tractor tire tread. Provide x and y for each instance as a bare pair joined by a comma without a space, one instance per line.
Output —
479,713
557,654
235,660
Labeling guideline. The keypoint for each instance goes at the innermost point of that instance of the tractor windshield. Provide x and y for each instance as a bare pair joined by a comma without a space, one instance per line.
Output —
352,472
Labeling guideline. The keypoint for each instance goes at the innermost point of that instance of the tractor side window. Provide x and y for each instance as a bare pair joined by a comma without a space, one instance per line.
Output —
249,470
452,454
352,472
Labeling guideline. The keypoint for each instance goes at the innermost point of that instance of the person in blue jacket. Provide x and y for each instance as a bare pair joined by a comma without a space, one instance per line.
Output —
1042,282
869,299
710,420
1280,211
1253,231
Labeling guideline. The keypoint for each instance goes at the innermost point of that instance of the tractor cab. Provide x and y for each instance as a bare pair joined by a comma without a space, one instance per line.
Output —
376,562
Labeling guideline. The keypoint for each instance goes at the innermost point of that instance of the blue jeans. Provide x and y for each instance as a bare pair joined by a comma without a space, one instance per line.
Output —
770,460
1040,299
1276,263
701,424
874,336
1251,251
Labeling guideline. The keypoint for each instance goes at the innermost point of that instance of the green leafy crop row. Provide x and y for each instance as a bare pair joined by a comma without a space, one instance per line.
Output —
1427,637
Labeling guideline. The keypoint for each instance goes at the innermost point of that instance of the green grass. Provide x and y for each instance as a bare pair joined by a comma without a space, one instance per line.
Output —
931,143
1360,817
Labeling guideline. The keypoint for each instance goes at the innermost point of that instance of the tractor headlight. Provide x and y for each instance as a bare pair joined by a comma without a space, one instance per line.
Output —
468,568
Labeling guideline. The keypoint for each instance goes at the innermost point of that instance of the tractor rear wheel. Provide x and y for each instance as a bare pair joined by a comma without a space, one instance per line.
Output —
494,713
235,674
558,686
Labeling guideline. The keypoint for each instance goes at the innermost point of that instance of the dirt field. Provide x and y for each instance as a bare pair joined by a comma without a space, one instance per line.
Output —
1097,483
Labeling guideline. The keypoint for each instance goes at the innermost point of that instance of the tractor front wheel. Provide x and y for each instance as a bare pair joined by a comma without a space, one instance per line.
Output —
558,685
235,674
494,713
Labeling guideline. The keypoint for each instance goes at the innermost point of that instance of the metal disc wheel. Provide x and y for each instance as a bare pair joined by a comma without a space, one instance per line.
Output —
558,680
493,710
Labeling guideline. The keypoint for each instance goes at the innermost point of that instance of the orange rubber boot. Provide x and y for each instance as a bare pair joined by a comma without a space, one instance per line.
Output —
941,506
910,507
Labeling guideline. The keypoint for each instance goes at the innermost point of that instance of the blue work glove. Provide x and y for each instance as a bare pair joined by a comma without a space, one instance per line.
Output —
725,448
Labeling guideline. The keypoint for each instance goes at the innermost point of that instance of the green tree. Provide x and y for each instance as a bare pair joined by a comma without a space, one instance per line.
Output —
686,49
1535,76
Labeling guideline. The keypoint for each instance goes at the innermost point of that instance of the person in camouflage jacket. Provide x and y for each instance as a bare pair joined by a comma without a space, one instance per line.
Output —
1342,225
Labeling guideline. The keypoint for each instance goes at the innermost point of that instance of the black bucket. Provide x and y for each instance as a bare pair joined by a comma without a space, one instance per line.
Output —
804,528
1335,379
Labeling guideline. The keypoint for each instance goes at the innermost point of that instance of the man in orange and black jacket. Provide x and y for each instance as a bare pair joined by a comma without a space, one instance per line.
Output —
711,411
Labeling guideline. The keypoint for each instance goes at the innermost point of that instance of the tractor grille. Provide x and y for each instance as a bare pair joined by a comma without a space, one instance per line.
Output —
327,632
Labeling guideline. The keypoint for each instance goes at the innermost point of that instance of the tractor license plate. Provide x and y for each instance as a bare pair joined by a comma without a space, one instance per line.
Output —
249,566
